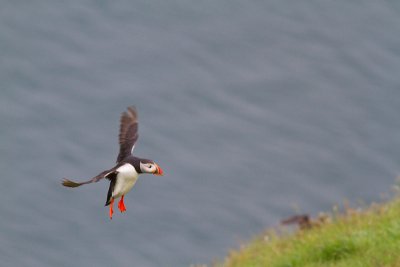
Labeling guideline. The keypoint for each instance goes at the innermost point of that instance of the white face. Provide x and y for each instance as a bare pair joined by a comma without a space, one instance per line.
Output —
148,167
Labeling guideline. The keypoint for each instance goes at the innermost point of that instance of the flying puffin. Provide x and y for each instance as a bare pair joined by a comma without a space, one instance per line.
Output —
125,173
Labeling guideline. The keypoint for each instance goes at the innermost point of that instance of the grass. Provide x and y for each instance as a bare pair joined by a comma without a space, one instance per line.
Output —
367,238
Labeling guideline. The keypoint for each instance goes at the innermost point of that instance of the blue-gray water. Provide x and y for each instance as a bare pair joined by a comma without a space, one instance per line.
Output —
251,108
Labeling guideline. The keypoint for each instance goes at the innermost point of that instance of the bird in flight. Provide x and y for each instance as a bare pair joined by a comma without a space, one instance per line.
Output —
125,173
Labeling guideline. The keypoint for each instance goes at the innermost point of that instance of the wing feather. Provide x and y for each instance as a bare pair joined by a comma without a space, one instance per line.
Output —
68,183
128,133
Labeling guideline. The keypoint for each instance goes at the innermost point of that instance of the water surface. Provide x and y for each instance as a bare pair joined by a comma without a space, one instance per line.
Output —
251,108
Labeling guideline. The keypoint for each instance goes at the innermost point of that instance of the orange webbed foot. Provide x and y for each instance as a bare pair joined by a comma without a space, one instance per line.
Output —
121,205
111,208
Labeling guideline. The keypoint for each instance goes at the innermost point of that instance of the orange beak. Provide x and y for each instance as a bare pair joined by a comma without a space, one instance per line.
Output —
159,171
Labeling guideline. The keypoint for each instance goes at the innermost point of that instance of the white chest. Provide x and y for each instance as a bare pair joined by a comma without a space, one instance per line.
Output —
126,179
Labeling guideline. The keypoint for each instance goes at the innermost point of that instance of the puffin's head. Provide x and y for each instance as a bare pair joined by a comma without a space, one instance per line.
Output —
149,166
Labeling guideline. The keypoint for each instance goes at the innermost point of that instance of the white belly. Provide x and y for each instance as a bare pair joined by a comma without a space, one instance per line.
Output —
126,179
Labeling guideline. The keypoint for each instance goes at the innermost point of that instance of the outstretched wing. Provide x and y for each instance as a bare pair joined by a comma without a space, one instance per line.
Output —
68,183
128,133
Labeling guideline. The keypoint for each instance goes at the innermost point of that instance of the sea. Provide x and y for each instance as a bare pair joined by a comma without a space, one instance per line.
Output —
255,111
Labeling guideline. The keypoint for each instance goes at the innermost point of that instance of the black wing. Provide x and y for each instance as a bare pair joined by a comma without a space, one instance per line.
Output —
68,183
113,179
128,133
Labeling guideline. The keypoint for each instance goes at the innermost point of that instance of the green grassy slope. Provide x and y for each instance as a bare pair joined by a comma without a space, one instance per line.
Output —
354,239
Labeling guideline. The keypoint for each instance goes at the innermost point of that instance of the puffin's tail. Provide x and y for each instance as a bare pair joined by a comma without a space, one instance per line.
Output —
68,183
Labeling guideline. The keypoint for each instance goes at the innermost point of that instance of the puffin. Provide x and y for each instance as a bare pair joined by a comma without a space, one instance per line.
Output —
125,173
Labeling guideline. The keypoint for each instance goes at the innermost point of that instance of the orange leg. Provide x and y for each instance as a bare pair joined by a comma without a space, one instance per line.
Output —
121,204
111,208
